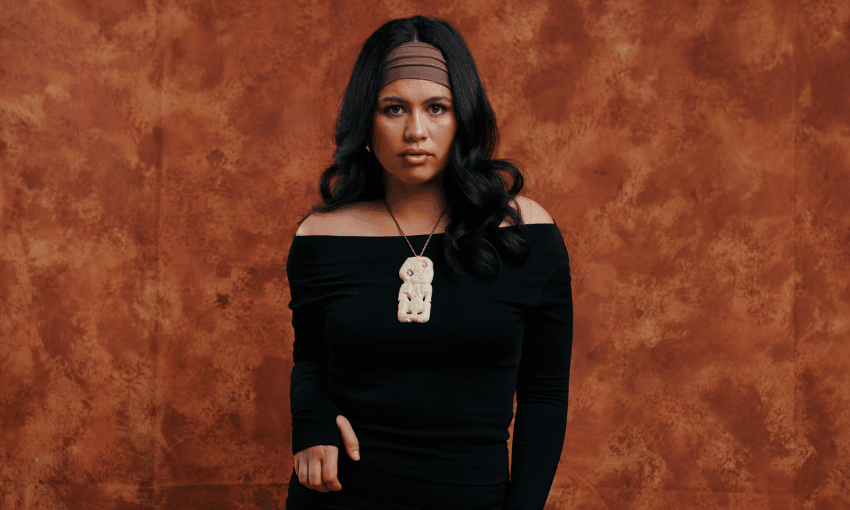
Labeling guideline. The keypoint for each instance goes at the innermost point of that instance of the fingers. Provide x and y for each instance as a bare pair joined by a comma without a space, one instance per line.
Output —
314,476
352,446
302,468
329,470
316,468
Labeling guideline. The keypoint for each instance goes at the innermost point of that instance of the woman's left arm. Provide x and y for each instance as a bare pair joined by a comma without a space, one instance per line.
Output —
542,393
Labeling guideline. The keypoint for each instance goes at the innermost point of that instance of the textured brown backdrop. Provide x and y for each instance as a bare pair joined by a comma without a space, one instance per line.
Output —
156,155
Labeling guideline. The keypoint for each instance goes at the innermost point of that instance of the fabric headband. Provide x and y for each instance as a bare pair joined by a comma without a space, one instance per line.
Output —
418,61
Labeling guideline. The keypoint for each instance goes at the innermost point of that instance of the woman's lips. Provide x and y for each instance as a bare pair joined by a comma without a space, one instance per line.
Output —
415,159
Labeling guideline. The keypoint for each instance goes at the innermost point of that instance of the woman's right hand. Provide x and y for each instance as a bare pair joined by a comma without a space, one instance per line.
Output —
317,466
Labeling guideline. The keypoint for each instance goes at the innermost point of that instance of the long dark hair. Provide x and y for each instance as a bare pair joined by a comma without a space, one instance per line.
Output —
478,188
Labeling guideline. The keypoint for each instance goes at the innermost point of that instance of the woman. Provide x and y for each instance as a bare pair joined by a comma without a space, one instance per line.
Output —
425,292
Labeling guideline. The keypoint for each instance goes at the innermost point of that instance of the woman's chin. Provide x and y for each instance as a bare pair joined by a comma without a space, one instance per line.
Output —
414,176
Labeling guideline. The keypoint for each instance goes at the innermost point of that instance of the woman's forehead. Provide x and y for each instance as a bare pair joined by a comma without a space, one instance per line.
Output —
413,90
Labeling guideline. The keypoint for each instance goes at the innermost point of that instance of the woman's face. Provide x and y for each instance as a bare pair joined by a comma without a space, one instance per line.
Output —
414,127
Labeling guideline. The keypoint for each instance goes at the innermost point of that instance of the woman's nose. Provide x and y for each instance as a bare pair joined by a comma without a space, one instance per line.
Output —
414,129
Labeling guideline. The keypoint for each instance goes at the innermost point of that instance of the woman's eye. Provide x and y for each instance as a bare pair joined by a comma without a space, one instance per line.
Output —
434,109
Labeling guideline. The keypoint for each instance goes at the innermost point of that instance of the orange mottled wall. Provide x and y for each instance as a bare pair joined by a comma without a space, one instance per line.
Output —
157,154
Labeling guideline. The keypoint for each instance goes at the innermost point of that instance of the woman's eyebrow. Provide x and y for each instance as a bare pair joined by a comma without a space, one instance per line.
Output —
394,99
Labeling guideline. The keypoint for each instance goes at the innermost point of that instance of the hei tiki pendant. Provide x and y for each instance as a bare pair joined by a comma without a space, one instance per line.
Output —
414,297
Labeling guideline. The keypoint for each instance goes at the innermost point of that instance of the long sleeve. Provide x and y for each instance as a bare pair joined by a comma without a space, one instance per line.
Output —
313,412
542,391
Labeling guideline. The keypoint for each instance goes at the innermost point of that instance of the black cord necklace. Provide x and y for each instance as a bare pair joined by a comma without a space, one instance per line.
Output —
417,272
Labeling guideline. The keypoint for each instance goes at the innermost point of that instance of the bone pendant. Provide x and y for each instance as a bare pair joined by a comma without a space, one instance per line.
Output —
414,297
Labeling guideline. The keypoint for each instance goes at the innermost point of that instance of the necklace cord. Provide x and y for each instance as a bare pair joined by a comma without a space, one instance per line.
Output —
429,235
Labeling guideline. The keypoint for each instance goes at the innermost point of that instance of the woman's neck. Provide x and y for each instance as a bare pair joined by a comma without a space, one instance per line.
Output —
417,208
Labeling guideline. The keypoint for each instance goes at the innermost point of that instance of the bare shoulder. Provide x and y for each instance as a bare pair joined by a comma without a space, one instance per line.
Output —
532,212
359,219
315,224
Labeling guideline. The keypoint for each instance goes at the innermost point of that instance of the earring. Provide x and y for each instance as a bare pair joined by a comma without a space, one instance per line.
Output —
368,149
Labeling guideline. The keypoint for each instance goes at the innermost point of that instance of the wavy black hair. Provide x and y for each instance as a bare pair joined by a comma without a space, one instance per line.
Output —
479,189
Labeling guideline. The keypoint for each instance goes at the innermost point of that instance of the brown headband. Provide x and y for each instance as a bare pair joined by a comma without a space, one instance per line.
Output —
418,61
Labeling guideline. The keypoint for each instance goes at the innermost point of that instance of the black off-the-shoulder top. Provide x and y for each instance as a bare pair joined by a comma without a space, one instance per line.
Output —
433,401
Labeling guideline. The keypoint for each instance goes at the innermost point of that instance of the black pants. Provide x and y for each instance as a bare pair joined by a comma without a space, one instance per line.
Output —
367,489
